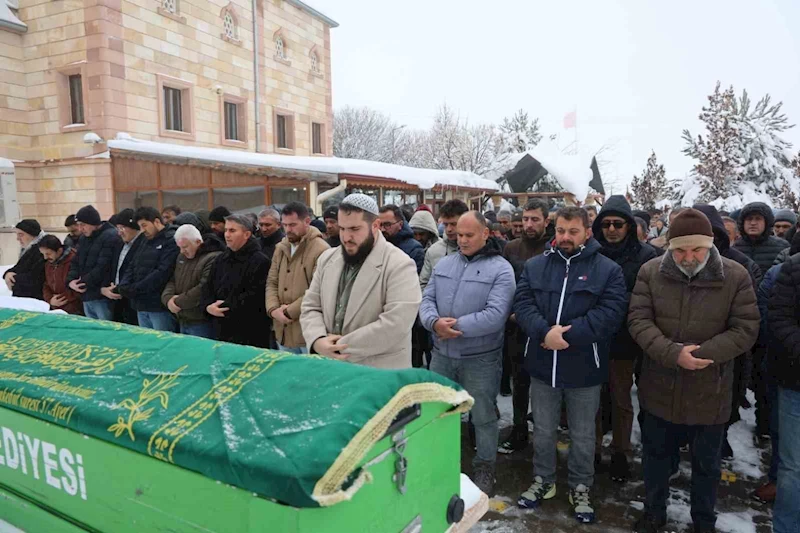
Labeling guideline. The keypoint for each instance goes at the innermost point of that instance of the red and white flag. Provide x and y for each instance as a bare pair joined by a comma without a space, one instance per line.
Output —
570,120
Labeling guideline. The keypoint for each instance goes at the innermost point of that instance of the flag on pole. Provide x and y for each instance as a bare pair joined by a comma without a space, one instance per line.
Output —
570,120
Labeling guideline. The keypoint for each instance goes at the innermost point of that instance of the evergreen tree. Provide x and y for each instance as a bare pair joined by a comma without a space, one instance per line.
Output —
518,133
651,186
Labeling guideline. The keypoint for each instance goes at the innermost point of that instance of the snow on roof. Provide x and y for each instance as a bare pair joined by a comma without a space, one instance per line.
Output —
421,177
8,19
6,163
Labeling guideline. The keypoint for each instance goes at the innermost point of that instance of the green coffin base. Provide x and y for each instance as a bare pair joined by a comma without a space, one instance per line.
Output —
118,490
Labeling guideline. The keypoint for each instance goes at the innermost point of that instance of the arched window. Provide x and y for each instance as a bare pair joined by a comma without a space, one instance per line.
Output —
229,25
314,62
171,6
280,47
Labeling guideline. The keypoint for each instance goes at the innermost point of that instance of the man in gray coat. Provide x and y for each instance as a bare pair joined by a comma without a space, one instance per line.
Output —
466,304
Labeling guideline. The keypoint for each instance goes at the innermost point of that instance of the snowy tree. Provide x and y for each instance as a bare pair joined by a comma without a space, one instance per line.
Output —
364,133
518,133
743,157
651,186
454,144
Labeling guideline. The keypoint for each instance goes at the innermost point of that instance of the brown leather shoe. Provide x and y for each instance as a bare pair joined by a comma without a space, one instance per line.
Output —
765,493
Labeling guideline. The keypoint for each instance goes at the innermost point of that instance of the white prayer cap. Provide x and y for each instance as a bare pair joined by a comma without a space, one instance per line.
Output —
363,202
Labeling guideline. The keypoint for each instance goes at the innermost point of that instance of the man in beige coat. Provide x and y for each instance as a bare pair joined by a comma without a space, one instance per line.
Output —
293,265
365,294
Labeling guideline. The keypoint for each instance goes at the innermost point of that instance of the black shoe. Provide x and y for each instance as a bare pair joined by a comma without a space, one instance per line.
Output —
704,529
517,440
649,524
619,470
484,479
598,459
727,451
505,393
744,402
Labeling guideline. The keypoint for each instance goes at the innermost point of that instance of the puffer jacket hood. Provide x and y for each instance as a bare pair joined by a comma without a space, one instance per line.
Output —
617,206
423,220
404,239
757,208
190,218
721,239
211,243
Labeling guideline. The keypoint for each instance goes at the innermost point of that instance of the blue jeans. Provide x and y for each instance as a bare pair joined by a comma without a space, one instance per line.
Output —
786,515
298,351
661,442
158,320
99,309
582,406
203,329
480,377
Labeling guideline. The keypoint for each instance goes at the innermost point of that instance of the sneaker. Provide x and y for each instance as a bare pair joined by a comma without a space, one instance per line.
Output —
649,524
537,492
582,504
517,440
484,479
765,493
619,470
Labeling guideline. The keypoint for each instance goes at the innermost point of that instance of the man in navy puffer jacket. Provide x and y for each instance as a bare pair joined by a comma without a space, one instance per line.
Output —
570,302
466,304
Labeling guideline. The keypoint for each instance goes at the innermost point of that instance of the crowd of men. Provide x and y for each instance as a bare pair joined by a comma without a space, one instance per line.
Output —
566,310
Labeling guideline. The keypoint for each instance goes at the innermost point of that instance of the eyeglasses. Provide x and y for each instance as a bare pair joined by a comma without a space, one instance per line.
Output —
387,225
618,224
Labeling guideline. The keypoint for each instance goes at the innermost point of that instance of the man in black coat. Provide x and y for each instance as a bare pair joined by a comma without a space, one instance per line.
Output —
132,239
616,231
152,268
26,278
742,365
397,231
270,231
235,293
93,269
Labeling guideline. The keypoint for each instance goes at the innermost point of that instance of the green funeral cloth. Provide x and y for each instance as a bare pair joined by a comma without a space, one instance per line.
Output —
270,422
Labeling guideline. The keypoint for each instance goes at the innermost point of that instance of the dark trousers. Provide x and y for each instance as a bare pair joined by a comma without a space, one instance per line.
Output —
420,345
620,404
759,386
660,450
520,380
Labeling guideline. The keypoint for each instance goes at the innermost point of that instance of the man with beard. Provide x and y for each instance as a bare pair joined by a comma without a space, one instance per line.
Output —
270,231
449,214
364,296
570,302
397,231
216,220
331,218
292,268
532,243
615,230
234,295
692,312
785,220
73,233
465,306
516,224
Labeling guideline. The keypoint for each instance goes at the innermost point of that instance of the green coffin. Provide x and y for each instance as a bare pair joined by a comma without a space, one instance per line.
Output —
105,427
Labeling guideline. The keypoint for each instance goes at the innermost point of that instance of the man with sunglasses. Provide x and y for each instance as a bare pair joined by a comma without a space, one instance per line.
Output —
397,231
616,231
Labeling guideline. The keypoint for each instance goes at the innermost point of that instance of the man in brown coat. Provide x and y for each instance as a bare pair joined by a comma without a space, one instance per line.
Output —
292,269
692,312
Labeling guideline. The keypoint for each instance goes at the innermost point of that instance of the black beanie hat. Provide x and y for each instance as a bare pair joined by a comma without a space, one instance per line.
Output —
88,215
218,214
29,226
126,218
70,221
331,212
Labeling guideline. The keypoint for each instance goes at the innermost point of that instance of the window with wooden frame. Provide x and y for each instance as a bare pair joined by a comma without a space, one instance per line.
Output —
233,121
317,138
73,101
176,110
284,131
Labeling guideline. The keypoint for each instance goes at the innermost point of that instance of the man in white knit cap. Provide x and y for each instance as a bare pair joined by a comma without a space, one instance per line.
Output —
364,296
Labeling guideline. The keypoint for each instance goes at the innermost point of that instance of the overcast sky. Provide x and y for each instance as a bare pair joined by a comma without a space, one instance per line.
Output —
637,71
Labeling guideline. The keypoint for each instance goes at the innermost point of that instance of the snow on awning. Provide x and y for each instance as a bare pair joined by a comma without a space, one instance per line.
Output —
326,169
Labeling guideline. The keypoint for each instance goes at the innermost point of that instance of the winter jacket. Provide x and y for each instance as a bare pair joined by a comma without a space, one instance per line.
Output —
716,310
630,255
268,244
29,272
404,239
239,279
333,242
289,278
150,272
764,249
383,306
95,264
518,251
723,243
585,291
434,254
478,292
55,274
188,217
189,279
654,232
71,242
784,324
423,221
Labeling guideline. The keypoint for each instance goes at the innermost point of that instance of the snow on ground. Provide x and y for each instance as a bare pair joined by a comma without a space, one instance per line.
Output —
5,527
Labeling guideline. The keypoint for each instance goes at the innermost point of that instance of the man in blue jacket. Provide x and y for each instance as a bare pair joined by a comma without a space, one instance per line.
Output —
570,302
466,304
151,270
397,231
